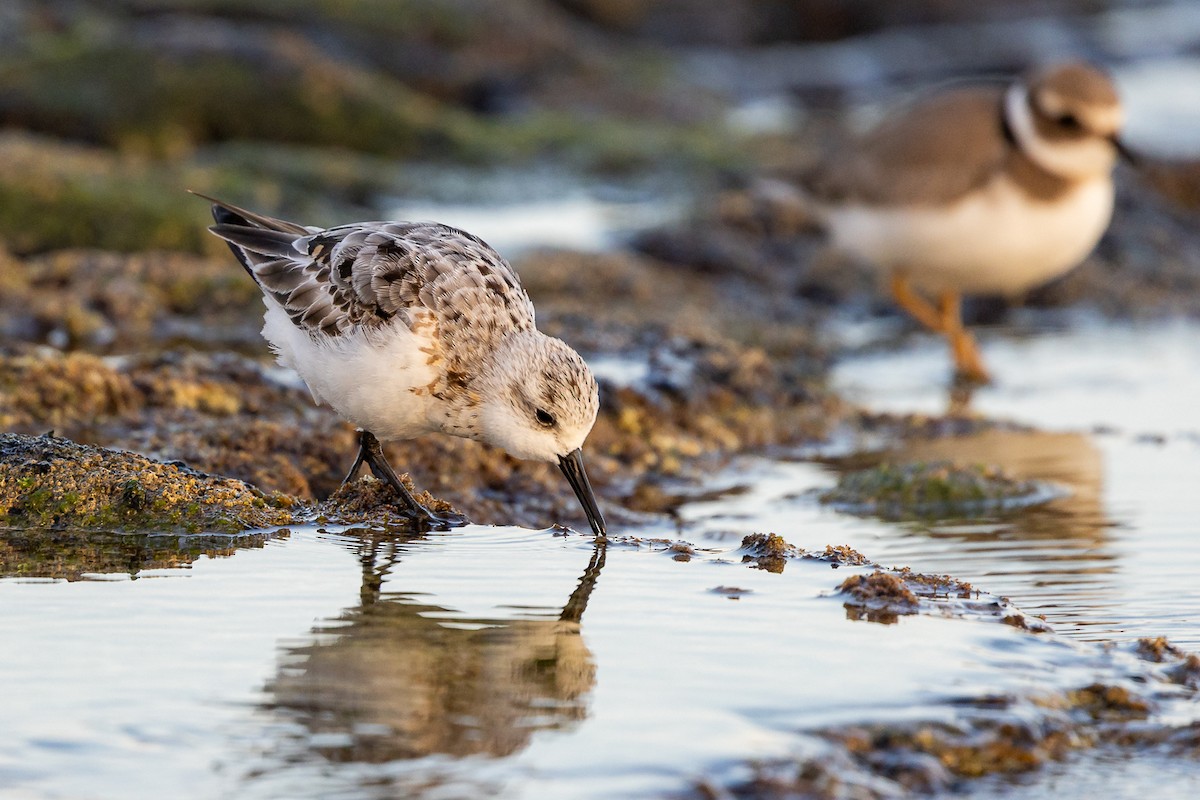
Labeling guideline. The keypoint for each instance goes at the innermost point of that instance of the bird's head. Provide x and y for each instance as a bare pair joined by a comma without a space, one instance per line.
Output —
1068,119
540,402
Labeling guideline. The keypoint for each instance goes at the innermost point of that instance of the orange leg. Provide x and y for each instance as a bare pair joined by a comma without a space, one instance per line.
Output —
968,363
946,319
912,302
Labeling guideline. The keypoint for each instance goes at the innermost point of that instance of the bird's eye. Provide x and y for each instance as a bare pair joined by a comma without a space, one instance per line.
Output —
545,418
1070,122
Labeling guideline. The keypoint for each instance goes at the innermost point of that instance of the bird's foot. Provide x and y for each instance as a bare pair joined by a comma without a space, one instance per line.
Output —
427,520
422,518
968,362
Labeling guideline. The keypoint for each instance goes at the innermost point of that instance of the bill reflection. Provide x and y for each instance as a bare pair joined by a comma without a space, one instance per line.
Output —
396,678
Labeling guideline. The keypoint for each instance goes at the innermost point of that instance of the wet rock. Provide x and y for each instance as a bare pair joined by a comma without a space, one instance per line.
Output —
58,195
932,490
703,396
733,23
368,500
72,554
1186,672
768,551
1177,181
1158,649
884,596
890,761
61,389
880,588
48,482
996,735
110,302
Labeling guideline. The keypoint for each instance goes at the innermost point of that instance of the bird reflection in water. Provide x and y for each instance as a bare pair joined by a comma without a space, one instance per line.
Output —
396,679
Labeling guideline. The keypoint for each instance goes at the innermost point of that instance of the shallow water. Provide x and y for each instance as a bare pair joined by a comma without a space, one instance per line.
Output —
515,212
1115,412
478,662
528,664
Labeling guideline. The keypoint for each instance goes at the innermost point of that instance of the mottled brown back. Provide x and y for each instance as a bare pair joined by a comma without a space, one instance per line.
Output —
429,277
934,152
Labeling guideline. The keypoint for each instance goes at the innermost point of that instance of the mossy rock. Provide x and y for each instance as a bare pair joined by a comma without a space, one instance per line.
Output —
142,100
56,195
48,482
74,554
939,489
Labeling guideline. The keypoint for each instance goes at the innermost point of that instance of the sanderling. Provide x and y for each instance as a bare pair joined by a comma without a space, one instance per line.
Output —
406,328
982,189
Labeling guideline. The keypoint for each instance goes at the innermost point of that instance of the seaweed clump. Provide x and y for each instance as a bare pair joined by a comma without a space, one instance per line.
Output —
768,551
878,597
996,735
886,595
48,482
369,500
1158,649
840,555
938,489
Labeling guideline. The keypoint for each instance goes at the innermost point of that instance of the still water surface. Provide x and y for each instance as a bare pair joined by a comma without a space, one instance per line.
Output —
480,662
1114,416
517,663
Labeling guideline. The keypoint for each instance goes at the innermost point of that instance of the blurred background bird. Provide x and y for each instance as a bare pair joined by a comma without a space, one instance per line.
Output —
981,189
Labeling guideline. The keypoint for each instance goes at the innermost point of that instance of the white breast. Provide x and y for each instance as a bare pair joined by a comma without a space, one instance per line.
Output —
994,241
366,377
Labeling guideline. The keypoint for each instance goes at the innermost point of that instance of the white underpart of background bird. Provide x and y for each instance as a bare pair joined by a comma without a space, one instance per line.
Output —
977,190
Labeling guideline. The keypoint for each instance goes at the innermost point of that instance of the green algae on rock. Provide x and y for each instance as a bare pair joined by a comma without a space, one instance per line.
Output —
938,489
48,482
75,554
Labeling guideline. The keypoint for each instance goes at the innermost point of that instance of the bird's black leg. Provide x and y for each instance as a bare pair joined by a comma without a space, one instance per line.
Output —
371,452
358,461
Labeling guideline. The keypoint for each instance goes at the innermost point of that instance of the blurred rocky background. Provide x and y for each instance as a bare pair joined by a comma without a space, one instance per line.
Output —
626,155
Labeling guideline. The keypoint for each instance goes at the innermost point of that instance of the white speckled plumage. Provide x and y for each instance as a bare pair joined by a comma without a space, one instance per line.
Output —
407,328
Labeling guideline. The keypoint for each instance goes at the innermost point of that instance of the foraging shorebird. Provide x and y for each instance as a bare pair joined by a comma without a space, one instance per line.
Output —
407,328
977,190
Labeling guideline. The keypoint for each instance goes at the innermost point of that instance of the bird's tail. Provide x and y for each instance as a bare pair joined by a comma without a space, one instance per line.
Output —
249,234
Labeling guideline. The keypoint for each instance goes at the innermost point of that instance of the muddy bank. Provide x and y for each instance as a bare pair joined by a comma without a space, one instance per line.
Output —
719,370
230,415
49,482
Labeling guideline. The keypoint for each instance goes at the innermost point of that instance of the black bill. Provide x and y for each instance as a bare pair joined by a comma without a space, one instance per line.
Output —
1131,158
572,466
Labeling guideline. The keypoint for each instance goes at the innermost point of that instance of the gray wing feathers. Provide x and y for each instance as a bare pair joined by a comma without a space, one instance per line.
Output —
258,240
371,274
